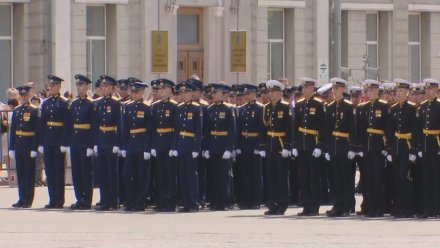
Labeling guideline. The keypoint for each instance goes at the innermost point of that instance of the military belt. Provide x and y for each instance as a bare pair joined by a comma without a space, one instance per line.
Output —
431,132
276,134
375,131
24,133
249,134
55,123
165,130
81,126
219,133
406,136
340,134
308,131
138,130
187,134
108,129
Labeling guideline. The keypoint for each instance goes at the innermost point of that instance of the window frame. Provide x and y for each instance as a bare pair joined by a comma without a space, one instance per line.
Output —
90,39
271,41
11,39
376,42
415,43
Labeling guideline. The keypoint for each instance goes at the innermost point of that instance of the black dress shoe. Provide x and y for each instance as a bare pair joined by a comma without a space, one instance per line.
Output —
253,207
75,206
360,213
101,208
58,206
85,207
314,213
128,208
17,205
270,212
303,213
50,206
25,205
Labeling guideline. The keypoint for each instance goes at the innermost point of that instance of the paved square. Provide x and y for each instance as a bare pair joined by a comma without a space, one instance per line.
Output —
37,227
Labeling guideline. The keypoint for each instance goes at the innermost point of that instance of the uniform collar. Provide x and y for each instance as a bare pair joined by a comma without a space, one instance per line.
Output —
25,104
166,99
56,95
219,102
188,103
139,101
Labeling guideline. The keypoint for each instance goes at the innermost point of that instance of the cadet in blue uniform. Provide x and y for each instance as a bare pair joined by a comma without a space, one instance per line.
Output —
250,133
401,135
277,119
136,147
201,171
341,147
372,120
54,141
163,114
218,145
309,133
23,146
187,144
81,143
108,141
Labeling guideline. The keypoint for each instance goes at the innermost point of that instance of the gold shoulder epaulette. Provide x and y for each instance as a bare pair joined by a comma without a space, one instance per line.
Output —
116,98
348,101
195,104
330,103
63,98
146,102
97,99
284,102
259,104
318,99
392,106
438,99
301,100
156,101
173,101
180,104
383,101
412,103
424,102
203,102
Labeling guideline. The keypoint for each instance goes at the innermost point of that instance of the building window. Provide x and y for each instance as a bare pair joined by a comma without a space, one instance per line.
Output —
6,49
414,47
275,53
372,61
96,41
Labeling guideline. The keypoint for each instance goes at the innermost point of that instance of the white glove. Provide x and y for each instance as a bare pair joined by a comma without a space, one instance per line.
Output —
361,154
317,153
389,158
256,152
147,156
170,153
327,156
95,149
226,155
115,149
63,149
207,156
263,154
119,153
412,158
41,149
295,152
124,153
238,151
11,154
33,154
420,154
195,154
384,153
153,152
175,154
351,155
89,152
284,153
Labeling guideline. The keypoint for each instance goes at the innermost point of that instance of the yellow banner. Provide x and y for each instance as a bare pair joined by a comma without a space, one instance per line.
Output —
238,51
159,51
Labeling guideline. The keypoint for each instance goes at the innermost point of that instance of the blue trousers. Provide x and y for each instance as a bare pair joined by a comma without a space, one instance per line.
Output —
55,173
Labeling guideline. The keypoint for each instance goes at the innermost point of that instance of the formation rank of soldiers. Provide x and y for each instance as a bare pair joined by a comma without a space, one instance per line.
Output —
190,146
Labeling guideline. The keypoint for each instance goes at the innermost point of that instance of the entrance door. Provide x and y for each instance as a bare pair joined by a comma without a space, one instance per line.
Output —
189,43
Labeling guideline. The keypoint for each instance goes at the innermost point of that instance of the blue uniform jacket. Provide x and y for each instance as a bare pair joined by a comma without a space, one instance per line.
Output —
163,114
24,129
188,128
55,113
219,128
250,128
108,122
137,127
82,125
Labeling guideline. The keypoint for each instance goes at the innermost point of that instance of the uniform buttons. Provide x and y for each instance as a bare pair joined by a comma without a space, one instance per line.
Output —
76,131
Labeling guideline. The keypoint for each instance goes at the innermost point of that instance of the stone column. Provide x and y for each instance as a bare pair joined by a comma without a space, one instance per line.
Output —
400,58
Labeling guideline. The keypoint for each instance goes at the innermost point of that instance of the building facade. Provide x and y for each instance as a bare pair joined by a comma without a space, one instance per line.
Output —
381,39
